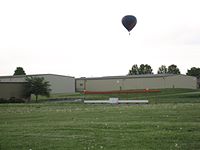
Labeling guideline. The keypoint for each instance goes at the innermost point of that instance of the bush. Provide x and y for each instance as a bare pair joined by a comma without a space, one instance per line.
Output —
12,100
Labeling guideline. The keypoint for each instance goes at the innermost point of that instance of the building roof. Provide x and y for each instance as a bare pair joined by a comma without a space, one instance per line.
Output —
22,76
130,76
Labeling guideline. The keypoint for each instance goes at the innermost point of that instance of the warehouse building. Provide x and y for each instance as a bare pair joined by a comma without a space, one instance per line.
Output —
59,83
150,81
12,90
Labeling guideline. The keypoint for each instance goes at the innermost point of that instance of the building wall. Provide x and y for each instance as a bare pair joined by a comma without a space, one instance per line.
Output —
10,89
181,81
101,84
80,85
144,83
59,83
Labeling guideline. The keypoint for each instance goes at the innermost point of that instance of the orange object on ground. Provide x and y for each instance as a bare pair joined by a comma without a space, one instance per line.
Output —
119,92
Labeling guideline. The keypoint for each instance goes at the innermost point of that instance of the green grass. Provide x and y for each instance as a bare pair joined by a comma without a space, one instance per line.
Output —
165,96
170,121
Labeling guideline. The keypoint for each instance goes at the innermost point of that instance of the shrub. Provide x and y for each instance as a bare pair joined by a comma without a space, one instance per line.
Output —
12,100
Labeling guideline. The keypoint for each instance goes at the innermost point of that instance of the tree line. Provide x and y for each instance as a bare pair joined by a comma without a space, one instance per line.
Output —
172,69
144,69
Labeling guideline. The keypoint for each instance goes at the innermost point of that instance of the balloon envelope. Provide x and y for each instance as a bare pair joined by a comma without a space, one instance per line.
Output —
129,22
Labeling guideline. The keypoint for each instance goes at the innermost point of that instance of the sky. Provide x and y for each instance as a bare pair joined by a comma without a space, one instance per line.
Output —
85,38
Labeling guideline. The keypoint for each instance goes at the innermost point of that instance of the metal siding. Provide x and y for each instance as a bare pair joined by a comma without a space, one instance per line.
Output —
8,90
124,84
78,85
181,82
103,85
173,81
144,83
60,84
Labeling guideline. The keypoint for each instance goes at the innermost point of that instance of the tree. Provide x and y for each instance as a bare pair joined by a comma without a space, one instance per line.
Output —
173,69
145,69
162,70
194,72
134,70
19,71
37,86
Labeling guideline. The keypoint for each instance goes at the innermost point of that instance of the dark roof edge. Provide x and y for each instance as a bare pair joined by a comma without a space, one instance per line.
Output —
19,76
13,82
131,76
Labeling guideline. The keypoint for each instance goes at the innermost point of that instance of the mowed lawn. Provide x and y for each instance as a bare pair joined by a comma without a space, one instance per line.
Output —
170,121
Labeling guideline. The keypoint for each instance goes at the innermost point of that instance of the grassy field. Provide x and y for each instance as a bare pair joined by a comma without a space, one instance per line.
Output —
170,121
165,96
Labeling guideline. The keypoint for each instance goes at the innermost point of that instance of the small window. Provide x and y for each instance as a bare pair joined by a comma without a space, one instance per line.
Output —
81,84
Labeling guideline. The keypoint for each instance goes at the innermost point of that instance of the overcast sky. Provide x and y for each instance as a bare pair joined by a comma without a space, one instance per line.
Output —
86,38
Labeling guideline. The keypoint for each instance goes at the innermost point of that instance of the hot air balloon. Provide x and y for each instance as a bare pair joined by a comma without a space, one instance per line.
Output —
129,22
